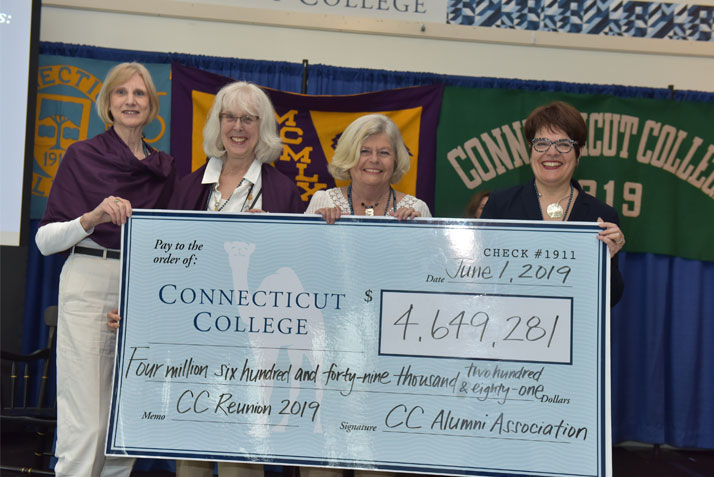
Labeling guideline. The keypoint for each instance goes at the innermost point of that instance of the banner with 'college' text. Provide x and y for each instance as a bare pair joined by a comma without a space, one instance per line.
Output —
652,160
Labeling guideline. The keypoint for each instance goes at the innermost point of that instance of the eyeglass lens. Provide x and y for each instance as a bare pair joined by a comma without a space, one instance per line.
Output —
246,120
561,145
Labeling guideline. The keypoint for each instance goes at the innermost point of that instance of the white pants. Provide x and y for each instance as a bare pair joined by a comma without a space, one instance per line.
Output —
196,468
89,288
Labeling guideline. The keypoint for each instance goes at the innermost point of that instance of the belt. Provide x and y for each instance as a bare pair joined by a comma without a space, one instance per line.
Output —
97,252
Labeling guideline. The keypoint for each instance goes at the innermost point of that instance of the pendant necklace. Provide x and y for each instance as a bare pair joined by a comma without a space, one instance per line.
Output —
369,209
555,210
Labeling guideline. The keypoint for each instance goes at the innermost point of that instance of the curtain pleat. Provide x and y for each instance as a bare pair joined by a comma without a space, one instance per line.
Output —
662,353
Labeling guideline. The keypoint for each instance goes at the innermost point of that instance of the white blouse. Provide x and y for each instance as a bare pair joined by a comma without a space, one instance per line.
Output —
246,195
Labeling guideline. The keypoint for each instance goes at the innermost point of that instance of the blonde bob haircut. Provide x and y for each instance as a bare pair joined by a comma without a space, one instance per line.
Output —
347,152
250,99
116,77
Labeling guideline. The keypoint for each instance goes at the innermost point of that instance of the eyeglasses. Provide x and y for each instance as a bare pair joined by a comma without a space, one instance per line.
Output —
246,120
542,144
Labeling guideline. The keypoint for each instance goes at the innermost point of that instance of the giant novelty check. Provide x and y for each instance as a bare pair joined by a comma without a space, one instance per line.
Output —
433,346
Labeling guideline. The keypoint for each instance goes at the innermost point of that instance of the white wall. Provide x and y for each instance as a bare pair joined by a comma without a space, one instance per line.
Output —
257,34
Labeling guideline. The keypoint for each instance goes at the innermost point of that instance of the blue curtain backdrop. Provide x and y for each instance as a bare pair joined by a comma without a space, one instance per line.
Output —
662,330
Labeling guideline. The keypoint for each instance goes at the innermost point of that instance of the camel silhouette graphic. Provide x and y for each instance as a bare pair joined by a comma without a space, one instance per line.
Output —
267,346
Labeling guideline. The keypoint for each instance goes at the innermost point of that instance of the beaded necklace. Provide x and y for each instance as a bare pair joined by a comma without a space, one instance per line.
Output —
217,206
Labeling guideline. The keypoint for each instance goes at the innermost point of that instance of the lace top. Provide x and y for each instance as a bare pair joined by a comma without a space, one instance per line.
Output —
335,198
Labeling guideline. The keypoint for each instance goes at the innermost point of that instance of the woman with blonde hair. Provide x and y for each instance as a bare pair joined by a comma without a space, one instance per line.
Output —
372,156
98,182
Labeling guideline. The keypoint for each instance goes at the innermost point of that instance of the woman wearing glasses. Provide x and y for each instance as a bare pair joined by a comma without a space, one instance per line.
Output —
241,140
556,133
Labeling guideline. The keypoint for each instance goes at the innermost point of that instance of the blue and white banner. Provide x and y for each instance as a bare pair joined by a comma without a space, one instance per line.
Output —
663,20
432,346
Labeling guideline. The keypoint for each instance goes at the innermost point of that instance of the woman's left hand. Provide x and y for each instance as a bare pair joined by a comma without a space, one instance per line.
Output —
405,213
611,235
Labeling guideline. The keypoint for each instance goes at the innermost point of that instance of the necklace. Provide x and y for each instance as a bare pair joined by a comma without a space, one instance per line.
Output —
555,210
144,149
217,206
369,209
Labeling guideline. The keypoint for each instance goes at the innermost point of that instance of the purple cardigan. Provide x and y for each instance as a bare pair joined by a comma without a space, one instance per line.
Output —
280,194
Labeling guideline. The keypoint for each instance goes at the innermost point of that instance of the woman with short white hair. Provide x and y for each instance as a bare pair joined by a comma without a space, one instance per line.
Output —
240,139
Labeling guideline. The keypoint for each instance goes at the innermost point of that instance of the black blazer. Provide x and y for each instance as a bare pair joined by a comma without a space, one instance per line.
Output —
521,203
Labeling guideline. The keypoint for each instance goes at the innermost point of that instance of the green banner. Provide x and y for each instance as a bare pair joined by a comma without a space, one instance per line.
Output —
652,160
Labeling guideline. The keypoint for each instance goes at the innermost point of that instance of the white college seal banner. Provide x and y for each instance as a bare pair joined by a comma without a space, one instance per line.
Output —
434,346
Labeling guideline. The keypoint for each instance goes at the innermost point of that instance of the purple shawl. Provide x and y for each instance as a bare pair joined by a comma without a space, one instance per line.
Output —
96,168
